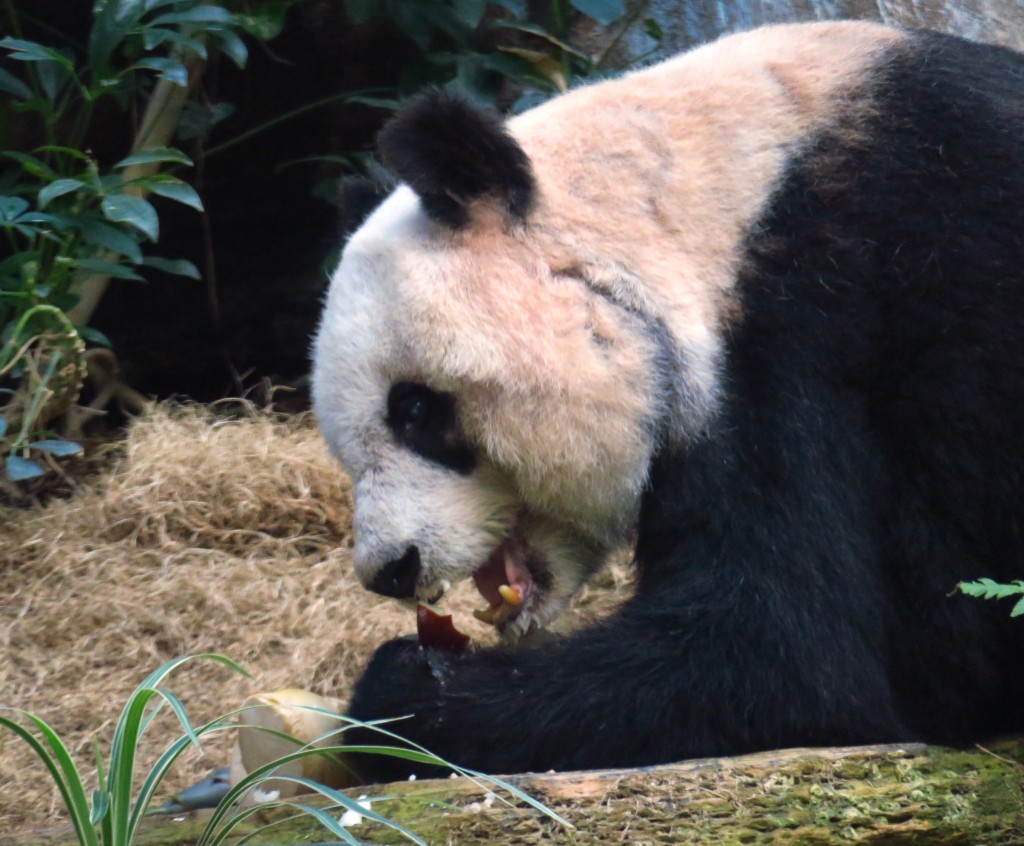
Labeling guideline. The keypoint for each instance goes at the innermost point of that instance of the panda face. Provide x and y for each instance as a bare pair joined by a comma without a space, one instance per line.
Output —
440,387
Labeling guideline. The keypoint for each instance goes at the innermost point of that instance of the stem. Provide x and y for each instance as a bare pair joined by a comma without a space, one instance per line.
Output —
270,124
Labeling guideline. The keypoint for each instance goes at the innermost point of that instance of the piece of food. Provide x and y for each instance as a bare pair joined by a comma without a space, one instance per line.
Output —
309,719
437,631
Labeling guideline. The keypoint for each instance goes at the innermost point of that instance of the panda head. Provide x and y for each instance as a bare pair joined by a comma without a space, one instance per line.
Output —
490,368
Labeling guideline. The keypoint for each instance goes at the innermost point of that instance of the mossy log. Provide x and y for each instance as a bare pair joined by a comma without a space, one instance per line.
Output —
882,795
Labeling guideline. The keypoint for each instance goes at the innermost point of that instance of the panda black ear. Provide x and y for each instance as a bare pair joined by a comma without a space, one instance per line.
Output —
450,152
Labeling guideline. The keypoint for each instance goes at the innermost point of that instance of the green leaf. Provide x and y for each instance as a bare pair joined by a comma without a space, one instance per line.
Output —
470,12
516,7
60,222
196,15
232,46
360,11
60,766
155,154
653,29
123,208
1018,609
33,166
11,208
59,189
112,19
197,119
153,37
30,51
169,69
266,21
178,267
107,268
175,189
602,11
100,806
57,447
100,234
93,336
66,151
53,76
19,469
14,86
417,22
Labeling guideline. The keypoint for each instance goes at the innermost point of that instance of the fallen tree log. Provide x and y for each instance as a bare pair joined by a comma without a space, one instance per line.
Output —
882,795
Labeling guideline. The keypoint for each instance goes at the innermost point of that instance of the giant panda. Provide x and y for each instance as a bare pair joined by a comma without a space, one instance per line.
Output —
757,311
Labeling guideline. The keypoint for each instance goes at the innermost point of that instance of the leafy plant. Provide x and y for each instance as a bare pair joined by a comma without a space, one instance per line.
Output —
989,589
111,814
71,223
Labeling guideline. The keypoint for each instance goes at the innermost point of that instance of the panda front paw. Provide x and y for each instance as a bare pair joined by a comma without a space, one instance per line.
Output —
401,677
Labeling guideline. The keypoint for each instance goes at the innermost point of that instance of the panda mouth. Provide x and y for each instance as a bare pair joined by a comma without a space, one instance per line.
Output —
505,581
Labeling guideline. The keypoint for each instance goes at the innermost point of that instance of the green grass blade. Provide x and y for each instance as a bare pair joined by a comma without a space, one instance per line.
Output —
477,777
64,774
345,834
125,815
122,762
351,804
106,835
156,775
100,806
158,675
179,712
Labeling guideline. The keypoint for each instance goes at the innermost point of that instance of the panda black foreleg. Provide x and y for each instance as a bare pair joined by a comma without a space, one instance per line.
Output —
659,681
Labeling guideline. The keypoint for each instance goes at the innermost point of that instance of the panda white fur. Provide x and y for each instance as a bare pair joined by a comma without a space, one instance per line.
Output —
760,309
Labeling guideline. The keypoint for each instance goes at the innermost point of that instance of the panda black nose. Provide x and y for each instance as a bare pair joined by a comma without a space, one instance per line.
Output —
398,578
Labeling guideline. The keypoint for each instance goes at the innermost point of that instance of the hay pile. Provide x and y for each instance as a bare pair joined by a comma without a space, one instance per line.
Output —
207,535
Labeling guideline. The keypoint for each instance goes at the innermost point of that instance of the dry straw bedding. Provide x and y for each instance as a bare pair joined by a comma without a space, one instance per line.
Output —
205,535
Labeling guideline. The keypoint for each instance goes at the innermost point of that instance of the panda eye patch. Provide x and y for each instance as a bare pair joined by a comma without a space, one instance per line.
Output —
425,421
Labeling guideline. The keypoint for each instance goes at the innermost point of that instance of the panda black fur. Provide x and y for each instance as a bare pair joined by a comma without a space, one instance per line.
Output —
761,308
